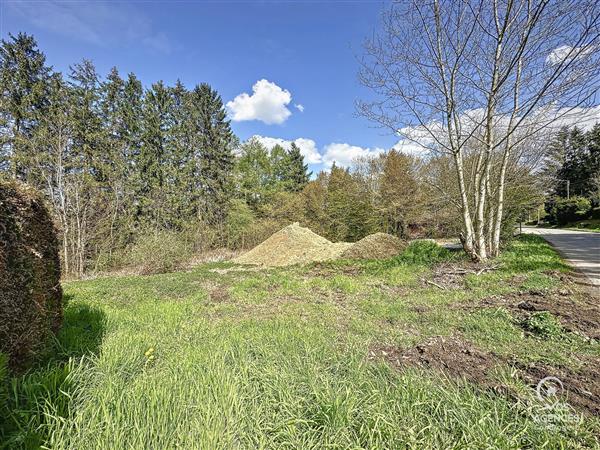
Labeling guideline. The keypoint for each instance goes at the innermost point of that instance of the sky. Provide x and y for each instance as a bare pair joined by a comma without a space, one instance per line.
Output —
286,70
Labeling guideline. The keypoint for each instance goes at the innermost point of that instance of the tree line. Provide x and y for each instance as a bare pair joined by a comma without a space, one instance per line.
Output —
155,173
572,171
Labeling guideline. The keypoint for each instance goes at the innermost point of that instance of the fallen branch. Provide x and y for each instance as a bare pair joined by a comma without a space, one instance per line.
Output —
435,284
487,269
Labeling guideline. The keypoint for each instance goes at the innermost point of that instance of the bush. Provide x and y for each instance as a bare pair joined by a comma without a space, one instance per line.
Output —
563,211
423,252
543,324
30,291
159,252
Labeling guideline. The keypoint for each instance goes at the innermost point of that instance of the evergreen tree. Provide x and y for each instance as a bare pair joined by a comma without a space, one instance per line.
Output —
89,134
23,97
212,139
554,160
296,173
153,155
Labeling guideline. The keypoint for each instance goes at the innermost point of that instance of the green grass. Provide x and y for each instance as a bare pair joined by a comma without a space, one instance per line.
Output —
586,225
278,359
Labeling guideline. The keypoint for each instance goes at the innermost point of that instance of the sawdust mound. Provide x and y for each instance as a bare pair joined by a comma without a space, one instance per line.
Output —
293,245
375,246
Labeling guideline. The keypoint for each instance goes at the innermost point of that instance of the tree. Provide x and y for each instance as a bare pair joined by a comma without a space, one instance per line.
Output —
479,78
23,88
296,174
348,210
213,140
400,193
152,157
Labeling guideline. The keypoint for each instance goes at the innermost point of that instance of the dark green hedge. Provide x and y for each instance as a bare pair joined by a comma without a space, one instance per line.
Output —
30,291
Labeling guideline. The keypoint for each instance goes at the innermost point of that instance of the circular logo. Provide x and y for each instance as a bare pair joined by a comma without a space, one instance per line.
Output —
548,389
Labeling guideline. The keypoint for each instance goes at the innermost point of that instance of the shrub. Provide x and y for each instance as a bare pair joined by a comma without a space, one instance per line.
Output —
239,222
159,252
30,291
422,252
563,211
543,324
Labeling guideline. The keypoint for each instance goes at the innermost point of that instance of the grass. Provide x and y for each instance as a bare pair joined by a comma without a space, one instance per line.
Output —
586,225
278,359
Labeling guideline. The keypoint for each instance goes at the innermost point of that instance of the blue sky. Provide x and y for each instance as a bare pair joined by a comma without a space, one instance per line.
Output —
298,55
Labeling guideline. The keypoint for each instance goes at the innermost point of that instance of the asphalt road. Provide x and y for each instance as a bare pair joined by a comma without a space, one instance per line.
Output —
580,248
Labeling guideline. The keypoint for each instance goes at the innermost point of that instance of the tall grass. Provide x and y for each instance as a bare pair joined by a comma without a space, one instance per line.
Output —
279,360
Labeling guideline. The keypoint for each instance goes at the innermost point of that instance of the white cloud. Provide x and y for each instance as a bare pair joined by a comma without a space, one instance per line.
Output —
344,154
583,118
268,103
299,107
411,148
418,140
101,23
308,147
561,53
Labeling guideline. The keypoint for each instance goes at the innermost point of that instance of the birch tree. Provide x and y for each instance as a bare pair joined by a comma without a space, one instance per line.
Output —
476,80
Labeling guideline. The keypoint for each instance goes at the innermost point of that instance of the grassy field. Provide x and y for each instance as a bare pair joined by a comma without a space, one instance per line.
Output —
339,355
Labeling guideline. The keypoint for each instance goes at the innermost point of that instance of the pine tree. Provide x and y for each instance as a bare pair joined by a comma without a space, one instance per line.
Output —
89,136
573,169
180,165
153,153
24,80
296,175
212,139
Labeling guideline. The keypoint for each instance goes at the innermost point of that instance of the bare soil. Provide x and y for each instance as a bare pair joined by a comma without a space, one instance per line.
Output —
458,358
576,314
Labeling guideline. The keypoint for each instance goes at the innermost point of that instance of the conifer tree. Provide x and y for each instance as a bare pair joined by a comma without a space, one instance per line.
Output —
23,96
212,139
296,173
153,153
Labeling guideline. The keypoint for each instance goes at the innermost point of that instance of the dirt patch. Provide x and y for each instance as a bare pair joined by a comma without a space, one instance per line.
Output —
234,269
582,316
327,271
293,245
375,246
582,388
458,358
218,294
453,356
450,276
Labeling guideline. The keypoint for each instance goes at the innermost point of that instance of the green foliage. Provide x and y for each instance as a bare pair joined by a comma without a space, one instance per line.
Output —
563,210
239,221
424,252
159,251
23,77
573,161
543,324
